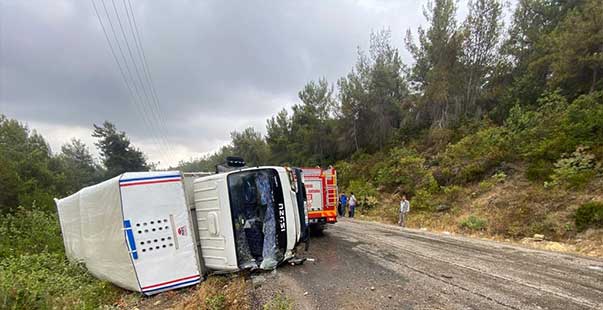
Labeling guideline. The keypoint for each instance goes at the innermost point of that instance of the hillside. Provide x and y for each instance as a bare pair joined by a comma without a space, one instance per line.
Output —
497,181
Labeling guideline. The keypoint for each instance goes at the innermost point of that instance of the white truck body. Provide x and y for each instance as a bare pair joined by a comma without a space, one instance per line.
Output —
133,230
156,231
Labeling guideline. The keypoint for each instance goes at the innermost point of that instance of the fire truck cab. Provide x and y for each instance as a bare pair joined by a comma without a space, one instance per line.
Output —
321,196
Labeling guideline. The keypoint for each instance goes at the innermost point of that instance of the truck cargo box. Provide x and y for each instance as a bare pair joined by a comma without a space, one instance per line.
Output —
132,230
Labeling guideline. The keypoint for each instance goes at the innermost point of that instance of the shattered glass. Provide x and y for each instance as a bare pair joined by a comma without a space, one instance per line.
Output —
254,218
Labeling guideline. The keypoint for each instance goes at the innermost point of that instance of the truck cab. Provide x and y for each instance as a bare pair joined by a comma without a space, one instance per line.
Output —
248,218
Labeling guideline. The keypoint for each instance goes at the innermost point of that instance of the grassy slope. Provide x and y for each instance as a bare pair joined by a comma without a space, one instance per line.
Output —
511,210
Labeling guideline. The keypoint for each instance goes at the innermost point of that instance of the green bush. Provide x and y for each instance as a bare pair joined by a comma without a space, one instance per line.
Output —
542,136
405,169
422,200
45,281
344,173
29,231
473,223
583,120
360,167
366,194
34,273
574,170
474,156
589,215
453,192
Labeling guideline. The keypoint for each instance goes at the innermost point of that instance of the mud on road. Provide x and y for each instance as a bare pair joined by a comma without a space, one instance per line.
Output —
363,265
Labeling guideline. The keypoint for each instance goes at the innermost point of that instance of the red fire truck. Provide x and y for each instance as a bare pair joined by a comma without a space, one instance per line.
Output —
321,194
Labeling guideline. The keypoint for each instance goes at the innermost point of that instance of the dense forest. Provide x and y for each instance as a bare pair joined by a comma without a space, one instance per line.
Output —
493,129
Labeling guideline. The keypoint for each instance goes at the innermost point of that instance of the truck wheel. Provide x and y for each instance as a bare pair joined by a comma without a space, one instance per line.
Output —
317,230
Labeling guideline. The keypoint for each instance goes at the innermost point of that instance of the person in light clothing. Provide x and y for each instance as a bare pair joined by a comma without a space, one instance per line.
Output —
404,208
352,204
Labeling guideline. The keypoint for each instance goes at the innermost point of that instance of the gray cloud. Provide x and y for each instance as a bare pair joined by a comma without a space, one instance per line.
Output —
217,65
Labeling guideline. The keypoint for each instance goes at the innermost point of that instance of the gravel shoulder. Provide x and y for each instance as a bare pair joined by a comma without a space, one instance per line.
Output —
366,265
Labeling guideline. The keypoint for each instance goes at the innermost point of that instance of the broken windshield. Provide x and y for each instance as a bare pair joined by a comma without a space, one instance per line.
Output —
258,216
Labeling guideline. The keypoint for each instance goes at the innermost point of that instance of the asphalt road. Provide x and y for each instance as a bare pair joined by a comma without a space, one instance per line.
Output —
362,265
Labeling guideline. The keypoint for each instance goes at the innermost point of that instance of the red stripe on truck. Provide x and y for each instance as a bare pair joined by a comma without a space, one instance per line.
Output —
168,282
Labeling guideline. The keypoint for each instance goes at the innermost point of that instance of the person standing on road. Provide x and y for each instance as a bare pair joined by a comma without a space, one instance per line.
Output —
352,204
343,200
404,208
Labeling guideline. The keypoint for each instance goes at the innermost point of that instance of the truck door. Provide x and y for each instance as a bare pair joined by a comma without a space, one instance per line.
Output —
214,223
301,197
157,229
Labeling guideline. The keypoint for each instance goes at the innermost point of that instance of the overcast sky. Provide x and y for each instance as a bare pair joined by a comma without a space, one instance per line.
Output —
217,66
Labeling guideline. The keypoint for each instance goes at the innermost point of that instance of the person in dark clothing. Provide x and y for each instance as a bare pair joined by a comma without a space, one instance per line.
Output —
343,200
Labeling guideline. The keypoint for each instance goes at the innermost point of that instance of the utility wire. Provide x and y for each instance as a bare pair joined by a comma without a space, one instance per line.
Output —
145,66
153,116
132,93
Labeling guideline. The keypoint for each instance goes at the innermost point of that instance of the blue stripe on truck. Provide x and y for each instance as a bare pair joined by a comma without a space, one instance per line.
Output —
130,236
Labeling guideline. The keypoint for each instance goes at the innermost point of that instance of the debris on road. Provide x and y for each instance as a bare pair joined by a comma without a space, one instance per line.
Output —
297,261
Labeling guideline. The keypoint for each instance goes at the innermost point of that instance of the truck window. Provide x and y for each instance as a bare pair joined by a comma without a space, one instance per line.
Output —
258,217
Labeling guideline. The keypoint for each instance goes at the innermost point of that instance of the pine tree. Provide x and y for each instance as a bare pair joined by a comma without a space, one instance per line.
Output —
117,154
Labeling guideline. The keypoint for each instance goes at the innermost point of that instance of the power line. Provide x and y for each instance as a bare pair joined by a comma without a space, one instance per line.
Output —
133,93
145,65
140,80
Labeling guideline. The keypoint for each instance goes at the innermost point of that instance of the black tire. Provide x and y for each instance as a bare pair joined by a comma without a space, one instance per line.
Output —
317,230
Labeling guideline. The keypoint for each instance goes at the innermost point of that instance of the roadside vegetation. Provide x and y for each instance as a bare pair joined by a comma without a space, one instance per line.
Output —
494,130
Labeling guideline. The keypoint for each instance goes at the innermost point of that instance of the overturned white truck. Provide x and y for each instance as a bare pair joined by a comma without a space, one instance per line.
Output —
156,231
